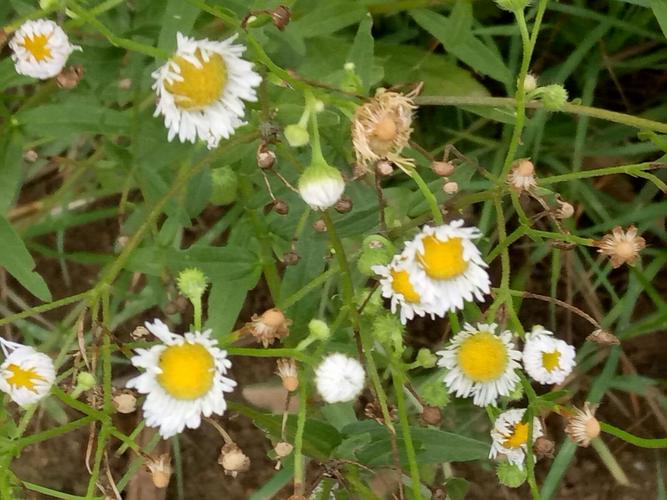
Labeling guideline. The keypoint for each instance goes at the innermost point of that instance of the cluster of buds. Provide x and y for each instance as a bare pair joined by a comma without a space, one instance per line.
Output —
269,327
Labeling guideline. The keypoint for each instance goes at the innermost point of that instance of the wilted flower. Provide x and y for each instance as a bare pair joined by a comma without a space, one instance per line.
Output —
622,247
233,460
451,187
268,327
603,337
124,402
160,469
583,426
288,374
522,176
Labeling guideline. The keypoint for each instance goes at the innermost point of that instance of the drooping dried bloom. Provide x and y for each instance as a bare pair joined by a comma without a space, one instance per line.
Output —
70,77
544,448
288,374
233,460
382,128
603,337
622,247
583,427
522,176
125,402
160,469
268,327
565,210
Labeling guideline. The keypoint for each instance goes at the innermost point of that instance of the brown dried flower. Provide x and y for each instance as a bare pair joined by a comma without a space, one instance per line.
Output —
291,258
125,402
544,447
603,337
233,460
139,333
70,77
621,247
320,226
288,373
344,205
268,327
281,16
583,427
160,469
442,168
266,159
431,415
565,210
382,128
522,176
451,187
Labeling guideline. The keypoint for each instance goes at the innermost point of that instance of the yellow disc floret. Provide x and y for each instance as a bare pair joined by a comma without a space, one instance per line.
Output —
23,378
187,370
201,85
37,46
442,259
482,357
519,436
400,282
550,360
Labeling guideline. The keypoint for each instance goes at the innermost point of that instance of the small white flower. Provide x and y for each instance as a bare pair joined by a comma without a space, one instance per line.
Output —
40,49
321,186
510,436
339,378
183,379
481,364
26,375
397,284
546,359
448,266
202,88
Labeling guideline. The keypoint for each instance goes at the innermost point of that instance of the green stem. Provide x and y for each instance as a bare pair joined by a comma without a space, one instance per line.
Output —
530,460
315,146
196,304
33,311
51,433
399,383
269,353
575,109
585,174
308,287
427,194
299,477
632,439
610,461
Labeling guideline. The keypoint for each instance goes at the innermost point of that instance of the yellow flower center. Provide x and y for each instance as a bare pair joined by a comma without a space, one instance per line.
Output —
201,85
37,46
400,282
482,357
23,378
550,360
442,259
518,437
187,371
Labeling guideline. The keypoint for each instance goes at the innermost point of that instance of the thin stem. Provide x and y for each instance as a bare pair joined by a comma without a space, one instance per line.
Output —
632,439
308,287
299,478
610,461
33,311
51,433
196,304
530,459
427,194
585,174
269,353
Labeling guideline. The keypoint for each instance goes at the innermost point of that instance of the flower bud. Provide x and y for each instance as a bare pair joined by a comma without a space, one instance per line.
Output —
426,359
321,186
431,415
225,184
529,83
283,449
280,207
513,5
344,205
192,283
291,258
553,96
281,16
510,475
384,168
266,159
296,135
451,187
603,337
319,329
70,77
442,168
85,381
31,156
320,226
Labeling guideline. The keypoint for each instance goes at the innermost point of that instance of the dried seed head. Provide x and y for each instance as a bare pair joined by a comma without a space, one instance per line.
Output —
384,168
233,460
451,187
320,226
281,17
565,210
382,128
583,426
30,156
622,247
344,205
603,337
280,207
70,77
160,469
431,415
288,374
283,449
139,333
291,258
544,447
443,168
373,411
522,176
266,159
125,402
268,327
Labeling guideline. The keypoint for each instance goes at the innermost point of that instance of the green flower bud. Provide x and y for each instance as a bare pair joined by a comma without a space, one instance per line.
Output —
297,135
225,185
319,329
553,96
85,381
426,359
510,475
434,392
376,250
192,283
513,5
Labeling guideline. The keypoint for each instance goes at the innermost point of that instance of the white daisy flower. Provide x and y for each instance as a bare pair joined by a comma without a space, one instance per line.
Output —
339,378
481,364
40,49
26,375
397,284
510,436
546,359
447,262
184,379
201,89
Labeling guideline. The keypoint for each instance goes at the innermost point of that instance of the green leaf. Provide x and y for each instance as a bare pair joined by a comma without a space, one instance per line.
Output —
460,20
11,162
9,77
457,488
361,53
468,49
19,263
339,414
659,8
327,18
178,16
